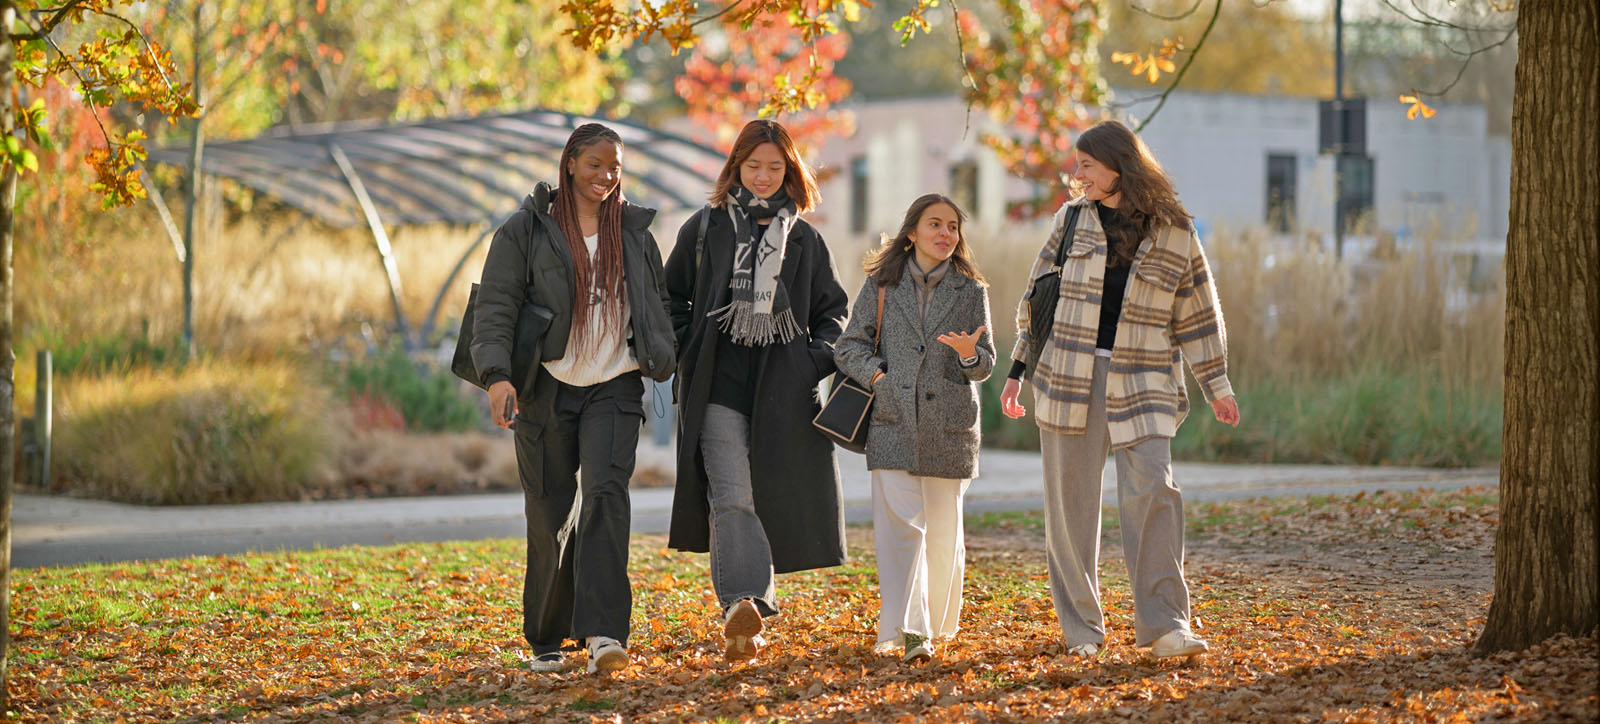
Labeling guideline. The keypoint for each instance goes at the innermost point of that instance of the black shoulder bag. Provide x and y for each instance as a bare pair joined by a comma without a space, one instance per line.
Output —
1044,295
843,418
533,320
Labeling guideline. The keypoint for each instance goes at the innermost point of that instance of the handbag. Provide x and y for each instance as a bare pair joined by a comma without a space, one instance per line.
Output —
843,418
1043,296
533,320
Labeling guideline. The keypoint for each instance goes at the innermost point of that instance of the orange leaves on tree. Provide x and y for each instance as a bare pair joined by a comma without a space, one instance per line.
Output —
1151,66
1418,108
1038,75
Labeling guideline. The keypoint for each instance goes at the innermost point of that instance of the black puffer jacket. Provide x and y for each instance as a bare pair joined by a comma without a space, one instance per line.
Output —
529,258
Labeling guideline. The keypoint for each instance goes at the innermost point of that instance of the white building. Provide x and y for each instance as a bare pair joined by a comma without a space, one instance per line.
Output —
1231,156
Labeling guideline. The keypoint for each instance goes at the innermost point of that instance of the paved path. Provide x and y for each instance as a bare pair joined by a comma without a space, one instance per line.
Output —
51,531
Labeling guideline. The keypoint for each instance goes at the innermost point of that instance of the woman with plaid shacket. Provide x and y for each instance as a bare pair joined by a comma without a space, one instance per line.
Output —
1136,301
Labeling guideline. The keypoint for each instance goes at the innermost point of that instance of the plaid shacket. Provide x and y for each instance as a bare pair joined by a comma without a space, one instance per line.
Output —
1169,313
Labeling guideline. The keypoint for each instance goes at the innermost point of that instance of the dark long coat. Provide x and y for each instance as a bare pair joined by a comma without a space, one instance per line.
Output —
794,476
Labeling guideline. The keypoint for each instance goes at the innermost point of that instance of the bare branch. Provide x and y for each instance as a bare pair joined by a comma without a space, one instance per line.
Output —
1216,10
1463,69
1168,18
717,14
961,48
1424,18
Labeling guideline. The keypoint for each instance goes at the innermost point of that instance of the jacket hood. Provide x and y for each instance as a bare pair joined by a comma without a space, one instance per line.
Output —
634,217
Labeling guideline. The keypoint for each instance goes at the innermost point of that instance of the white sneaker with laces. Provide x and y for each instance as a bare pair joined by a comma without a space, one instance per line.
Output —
1178,642
606,655
553,661
741,631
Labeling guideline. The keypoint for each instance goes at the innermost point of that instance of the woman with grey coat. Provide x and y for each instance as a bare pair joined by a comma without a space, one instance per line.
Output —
922,448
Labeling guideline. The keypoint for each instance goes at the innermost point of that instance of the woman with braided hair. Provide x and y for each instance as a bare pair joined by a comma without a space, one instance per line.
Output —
583,256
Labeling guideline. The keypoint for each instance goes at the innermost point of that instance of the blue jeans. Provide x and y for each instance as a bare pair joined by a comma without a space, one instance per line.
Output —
741,557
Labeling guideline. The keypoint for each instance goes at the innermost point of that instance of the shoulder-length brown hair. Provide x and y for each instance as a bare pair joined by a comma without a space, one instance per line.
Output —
887,263
797,179
1149,198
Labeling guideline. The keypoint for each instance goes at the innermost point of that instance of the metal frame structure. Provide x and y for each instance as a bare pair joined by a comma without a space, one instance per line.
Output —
467,170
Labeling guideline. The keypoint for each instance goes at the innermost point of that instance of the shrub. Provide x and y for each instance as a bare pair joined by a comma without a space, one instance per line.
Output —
428,398
213,432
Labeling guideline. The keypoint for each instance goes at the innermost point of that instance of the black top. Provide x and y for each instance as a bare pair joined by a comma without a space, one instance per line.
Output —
733,377
1115,224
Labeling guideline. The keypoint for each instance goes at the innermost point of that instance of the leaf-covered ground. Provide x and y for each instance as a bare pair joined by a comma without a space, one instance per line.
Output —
1341,609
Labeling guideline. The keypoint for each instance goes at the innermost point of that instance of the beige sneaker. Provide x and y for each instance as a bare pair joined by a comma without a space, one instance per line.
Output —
741,631
918,649
1178,642
606,655
1084,651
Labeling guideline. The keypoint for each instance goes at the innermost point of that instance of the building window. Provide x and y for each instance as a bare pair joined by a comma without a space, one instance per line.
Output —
858,194
964,187
1280,192
1356,192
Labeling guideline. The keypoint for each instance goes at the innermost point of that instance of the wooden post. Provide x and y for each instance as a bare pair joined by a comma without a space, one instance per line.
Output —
42,417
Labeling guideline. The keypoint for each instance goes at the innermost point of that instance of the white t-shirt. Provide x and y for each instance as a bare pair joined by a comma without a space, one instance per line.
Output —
607,354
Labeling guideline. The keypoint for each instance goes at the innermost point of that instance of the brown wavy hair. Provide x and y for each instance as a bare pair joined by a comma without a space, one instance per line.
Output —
887,263
607,264
798,181
1149,198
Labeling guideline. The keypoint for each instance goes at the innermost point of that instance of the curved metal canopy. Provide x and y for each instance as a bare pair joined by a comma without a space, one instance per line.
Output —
456,170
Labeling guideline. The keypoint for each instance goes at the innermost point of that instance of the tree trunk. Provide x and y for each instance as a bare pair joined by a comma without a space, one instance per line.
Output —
8,423
1545,550
191,213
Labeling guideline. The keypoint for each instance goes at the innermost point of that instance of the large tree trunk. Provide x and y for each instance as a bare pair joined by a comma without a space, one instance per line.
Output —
1545,551
8,423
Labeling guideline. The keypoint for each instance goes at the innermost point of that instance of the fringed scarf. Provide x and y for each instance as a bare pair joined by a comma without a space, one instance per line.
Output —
759,312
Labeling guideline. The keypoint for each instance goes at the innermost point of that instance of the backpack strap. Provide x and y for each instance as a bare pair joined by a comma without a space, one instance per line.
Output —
700,238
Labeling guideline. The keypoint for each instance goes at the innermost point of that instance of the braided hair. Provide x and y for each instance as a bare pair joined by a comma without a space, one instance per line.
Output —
604,271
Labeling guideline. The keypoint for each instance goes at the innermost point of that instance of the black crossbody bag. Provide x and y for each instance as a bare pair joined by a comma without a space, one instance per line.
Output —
1043,296
533,320
843,418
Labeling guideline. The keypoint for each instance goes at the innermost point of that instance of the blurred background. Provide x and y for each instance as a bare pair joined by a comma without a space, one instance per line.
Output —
354,156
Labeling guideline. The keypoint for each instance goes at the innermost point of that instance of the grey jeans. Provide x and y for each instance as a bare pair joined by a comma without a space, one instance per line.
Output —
1151,510
741,557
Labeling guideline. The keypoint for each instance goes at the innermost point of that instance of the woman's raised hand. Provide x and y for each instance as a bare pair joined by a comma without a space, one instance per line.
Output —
965,345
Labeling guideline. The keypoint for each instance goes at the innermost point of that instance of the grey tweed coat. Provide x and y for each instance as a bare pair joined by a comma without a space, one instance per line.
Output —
925,413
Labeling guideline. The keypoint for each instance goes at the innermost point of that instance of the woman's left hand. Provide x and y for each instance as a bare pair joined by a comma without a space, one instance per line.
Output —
1226,410
965,345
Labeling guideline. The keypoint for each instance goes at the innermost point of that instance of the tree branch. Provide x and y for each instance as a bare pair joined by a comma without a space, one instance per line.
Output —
57,15
1463,69
966,71
1168,18
87,98
1216,10
717,14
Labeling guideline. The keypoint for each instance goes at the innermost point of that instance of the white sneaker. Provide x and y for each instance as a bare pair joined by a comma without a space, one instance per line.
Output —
1178,642
606,655
553,661
885,648
741,631
918,649
1086,651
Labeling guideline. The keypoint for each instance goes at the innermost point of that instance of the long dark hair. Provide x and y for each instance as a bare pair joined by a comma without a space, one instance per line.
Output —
888,262
798,181
606,267
1149,198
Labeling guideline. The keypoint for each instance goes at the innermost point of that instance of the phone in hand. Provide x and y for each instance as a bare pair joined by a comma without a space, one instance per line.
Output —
509,411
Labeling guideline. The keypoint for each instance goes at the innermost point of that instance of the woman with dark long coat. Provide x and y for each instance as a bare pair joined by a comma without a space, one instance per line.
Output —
756,305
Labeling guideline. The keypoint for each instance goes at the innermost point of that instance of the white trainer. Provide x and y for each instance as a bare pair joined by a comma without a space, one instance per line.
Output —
1178,642
606,655
741,631
1086,651
553,661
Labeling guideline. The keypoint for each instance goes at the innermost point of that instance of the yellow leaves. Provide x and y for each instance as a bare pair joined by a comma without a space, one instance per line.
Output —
1151,66
1417,107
